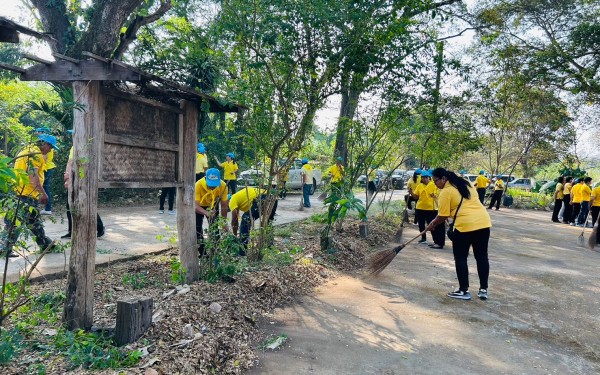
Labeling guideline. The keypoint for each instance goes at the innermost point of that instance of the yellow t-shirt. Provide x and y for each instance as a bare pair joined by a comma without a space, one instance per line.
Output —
412,185
307,169
499,185
201,163
560,191
28,165
596,196
208,197
576,193
472,215
372,175
426,201
585,192
482,182
229,169
49,159
567,189
243,199
336,172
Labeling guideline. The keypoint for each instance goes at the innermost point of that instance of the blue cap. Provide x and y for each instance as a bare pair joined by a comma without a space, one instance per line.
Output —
42,129
213,178
304,161
71,131
418,171
201,148
482,172
50,139
230,154
425,174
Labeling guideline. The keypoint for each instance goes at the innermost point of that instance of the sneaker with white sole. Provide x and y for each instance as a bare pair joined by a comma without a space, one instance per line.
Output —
482,294
161,211
460,294
172,212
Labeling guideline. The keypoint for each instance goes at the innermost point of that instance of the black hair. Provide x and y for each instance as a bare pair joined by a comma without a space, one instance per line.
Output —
587,179
568,179
458,182
560,180
415,177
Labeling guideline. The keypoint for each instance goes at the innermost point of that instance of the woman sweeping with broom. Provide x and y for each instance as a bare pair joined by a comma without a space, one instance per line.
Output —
470,227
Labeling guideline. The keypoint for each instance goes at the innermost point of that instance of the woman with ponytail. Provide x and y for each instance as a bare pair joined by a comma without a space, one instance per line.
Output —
471,227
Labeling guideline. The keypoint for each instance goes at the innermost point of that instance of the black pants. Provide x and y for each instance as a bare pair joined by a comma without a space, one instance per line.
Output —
557,206
584,210
99,223
170,191
409,201
425,217
212,230
595,212
481,193
29,215
246,224
575,213
460,246
568,212
496,198
231,186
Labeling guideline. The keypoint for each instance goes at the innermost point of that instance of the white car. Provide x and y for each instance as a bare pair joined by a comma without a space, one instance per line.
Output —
522,183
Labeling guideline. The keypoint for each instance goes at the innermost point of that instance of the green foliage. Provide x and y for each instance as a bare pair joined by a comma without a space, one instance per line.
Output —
530,200
223,260
339,202
10,345
135,280
178,272
319,218
284,232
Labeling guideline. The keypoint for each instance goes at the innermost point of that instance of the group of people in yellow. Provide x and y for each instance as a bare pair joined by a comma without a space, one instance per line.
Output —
574,200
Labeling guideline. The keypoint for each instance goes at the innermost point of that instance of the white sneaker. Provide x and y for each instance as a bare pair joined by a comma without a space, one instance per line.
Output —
172,212
44,212
161,211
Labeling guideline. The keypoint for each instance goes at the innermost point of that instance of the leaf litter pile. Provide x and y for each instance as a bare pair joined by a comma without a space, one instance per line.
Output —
211,327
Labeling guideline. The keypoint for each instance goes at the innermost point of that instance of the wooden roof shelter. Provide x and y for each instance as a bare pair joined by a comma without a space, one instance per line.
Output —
136,130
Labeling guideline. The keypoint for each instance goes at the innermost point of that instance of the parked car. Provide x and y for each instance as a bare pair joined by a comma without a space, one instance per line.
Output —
255,176
382,181
470,177
251,177
398,179
522,183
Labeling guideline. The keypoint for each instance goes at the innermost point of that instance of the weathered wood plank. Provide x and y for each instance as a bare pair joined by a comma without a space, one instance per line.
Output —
8,35
140,99
88,70
138,142
186,225
13,68
134,317
137,184
83,199
36,59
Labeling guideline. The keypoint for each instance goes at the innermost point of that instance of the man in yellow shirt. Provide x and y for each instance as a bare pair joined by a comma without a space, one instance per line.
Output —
48,172
201,162
558,198
585,192
230,169
576,200
595,203
481,183
498,191
210,195
249,201
30,192
307,181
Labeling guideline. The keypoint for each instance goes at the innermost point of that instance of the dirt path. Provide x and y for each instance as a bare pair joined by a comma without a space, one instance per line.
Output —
541,318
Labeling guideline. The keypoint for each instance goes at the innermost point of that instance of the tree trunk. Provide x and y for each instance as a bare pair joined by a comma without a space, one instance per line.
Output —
348,107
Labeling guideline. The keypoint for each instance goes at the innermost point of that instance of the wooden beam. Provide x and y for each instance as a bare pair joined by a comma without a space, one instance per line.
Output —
65,58
186,213
83,200
8,35
13,68
138,184
86,70
36,59
140,99
138,142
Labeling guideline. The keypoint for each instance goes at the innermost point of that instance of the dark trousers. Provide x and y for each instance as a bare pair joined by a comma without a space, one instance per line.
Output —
557,206
575,213
29,215
231,186
481,193
461,243
99,223
170,191
47,178
595,212
583,212
282,190
246,223
213,232
306,194
409,201
568,212
496,198
425,217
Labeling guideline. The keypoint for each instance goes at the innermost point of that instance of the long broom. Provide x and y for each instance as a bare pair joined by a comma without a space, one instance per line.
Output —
581,239
593,240
301,208
398,235
379,261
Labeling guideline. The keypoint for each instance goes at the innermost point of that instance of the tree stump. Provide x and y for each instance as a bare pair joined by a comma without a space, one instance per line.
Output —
134,317
363,229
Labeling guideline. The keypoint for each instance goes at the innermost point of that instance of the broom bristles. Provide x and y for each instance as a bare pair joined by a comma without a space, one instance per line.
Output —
593,240
380,260
398,235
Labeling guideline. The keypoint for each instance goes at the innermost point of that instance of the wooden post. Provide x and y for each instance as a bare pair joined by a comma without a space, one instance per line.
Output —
134,317
363,229
186,222
83,199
